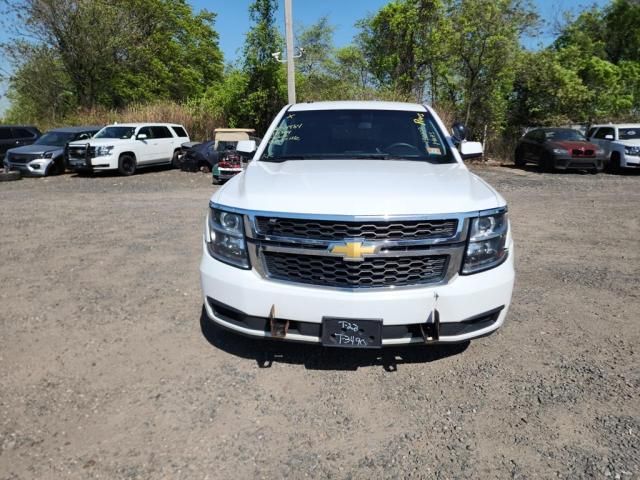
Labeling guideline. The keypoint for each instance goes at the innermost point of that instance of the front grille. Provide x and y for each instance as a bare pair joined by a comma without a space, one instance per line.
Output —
80,152
372,272
22,158
337,230
579,152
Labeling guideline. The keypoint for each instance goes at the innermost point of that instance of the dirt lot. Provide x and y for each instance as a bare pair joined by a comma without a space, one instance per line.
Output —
106,371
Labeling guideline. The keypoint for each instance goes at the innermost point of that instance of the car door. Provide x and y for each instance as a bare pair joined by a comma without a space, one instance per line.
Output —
164,143
6,140
146,146
600,138
23,136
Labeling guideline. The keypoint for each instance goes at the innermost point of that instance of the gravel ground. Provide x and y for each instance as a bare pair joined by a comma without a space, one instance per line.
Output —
106,370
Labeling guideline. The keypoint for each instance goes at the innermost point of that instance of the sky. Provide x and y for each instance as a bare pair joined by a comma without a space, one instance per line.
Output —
232,22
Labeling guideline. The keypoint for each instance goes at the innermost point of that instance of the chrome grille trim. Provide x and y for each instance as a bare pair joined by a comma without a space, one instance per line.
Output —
453,247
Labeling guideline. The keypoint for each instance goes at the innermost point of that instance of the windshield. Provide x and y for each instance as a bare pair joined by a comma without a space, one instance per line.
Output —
358,134
573,135
116,132
629,133
56,139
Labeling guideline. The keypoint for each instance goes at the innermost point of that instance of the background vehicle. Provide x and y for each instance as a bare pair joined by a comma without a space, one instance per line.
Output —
127,147
46,155
198,156
16,135
558,148
230,162
358,225
620,142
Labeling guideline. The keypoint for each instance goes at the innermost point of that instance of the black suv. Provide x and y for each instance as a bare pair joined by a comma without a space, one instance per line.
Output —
16,136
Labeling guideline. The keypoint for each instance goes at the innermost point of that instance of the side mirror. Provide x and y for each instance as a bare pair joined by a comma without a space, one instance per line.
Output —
470,150
608,137
142,136
246,146
459,132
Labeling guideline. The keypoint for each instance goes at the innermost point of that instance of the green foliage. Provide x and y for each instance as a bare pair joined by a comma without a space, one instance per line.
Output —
40,89
121,51
265,92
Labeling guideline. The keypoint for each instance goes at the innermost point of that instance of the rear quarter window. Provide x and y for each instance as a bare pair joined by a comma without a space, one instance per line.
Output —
180,132
22,133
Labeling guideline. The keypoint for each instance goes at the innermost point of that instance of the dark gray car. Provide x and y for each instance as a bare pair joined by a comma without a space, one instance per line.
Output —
46,155
12,136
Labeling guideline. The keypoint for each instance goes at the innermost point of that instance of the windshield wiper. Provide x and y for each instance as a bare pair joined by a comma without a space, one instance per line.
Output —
282,158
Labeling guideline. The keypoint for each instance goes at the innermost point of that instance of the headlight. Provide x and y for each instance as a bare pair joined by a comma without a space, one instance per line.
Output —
632,150
47,155
560,151
487,243
103,151
224,236
600,151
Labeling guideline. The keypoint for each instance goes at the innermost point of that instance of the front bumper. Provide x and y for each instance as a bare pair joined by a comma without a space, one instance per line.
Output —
36,167
578,163
469,306
105,162
631,161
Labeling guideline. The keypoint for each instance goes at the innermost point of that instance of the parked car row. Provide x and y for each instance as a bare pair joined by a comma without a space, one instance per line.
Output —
610,146
122,147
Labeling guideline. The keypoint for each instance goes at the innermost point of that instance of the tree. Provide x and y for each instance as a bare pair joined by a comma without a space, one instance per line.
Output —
120,51
265,91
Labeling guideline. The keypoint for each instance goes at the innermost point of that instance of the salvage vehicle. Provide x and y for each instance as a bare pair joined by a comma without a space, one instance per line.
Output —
229,161
46,155
128,147
559,148
621,143
12,136
358,225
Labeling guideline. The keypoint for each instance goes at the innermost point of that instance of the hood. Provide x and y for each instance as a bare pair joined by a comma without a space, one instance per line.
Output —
100,141
574,144
358,187
632,142
35,149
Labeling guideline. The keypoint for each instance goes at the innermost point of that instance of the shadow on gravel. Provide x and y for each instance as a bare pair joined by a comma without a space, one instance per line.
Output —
629,172
314,357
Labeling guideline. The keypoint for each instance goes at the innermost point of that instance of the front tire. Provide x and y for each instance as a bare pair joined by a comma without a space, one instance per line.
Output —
546,163
614,164
175,160
126,165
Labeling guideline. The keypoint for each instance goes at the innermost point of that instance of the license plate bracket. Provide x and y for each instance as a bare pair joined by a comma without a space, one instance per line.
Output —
351,332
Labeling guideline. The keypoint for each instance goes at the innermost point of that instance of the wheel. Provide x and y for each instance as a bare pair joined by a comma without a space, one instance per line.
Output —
546,163
175,160
57,167
614,164
126,165
10,176
519,159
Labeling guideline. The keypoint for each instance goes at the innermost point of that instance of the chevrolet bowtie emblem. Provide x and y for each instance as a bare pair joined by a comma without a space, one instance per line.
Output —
353,251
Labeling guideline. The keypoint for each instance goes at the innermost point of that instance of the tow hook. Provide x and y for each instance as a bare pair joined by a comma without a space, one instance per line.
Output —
431,329
279,328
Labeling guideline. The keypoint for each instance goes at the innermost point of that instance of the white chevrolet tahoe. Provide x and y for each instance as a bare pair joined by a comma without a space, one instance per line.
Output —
358,225
127,147
620,142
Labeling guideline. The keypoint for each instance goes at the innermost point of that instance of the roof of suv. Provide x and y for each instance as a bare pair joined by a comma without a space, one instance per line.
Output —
145,124
357,105
619,125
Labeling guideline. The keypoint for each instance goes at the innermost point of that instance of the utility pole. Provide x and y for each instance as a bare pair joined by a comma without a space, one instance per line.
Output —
291,72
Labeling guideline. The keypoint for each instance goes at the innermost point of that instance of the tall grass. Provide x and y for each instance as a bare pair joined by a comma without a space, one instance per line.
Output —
199,123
